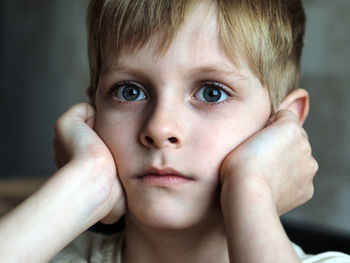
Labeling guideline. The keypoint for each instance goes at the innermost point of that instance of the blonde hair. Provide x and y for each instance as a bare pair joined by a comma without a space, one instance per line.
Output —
269,32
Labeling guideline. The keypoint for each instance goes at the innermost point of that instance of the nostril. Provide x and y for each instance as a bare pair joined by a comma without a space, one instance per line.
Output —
173,140
149,139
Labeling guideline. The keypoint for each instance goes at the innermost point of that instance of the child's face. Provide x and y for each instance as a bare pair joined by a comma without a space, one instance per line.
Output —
166,112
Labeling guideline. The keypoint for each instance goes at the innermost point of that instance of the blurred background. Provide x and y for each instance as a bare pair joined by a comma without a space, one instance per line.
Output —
44,70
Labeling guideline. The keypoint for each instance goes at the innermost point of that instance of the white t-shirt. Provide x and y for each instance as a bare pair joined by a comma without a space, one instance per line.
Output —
96,248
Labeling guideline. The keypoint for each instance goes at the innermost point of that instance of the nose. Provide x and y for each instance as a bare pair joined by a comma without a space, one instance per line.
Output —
162,129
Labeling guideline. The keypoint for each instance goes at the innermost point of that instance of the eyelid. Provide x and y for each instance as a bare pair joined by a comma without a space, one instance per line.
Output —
217,84
124,82
127,82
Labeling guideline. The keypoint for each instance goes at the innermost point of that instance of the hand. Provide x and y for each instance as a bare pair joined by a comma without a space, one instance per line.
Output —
84,190
277,161
76,142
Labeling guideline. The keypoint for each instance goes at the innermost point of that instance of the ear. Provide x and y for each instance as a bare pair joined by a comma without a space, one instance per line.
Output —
298,102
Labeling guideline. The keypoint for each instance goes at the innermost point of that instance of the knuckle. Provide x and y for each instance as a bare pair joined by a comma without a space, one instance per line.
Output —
58,127
307,148
304,133
79,107
292,128
315,166
57,161
310,193
83,105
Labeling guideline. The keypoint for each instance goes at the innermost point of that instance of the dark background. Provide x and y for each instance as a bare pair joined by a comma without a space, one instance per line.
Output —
44,70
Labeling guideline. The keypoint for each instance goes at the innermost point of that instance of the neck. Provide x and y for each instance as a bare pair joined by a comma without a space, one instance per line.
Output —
203,243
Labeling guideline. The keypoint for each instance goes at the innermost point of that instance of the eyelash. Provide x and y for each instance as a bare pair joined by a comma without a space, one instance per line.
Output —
216,85
202,84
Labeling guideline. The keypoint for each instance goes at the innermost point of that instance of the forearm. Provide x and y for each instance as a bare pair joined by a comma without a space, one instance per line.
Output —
48,220
253,228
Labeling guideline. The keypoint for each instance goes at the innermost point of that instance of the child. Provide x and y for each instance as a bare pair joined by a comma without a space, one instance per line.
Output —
193,102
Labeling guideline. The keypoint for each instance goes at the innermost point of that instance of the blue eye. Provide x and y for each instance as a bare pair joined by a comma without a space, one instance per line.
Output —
129,92
211,93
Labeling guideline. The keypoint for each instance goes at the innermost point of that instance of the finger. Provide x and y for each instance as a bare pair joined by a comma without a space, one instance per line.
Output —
67,124
286,115
315,166
70,129
82,112
305,134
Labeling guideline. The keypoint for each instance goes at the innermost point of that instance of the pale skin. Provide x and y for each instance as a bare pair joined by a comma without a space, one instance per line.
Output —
247,165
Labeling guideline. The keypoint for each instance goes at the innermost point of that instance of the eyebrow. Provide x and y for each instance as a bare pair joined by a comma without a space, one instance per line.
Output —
110,68
202,70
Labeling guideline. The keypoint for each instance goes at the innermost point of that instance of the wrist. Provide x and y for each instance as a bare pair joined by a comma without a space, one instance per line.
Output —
246,192
84,188
252,223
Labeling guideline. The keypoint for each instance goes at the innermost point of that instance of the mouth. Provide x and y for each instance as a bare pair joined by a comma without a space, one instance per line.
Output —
163,177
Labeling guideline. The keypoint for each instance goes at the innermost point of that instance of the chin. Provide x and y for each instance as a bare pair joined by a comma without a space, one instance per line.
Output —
168,215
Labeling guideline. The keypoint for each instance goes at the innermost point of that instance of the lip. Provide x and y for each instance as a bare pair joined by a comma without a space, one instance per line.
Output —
163,177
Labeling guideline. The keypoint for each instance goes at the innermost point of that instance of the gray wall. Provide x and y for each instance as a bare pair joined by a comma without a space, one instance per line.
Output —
326,75
43,70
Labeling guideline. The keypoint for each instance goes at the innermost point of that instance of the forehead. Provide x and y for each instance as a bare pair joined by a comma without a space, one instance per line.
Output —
196,45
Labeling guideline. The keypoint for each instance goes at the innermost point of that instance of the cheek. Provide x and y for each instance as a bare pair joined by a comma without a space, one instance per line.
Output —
215,141
211,145
118,135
